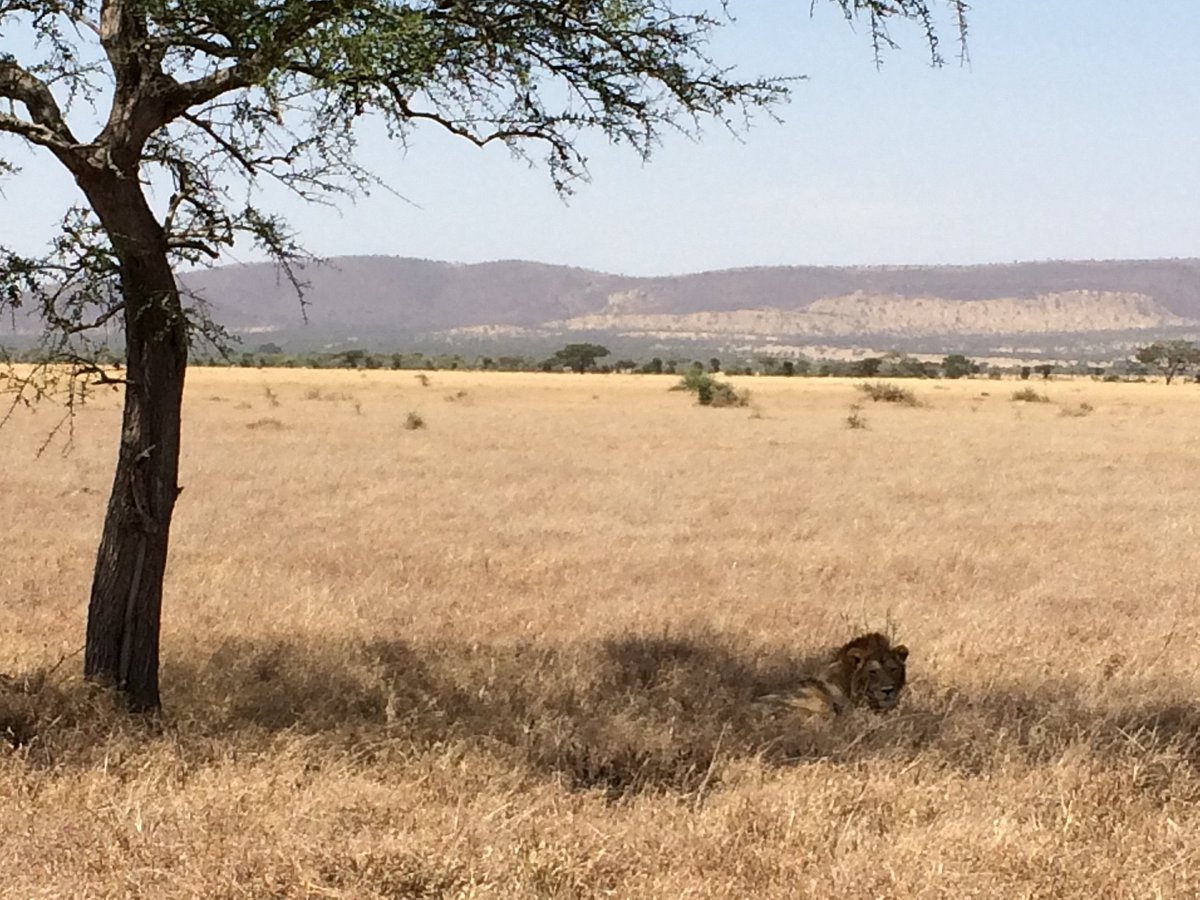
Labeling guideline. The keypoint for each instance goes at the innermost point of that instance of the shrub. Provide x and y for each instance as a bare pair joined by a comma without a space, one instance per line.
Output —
711,392
725,394
882,391
854,420
697,381
1029,395
414,421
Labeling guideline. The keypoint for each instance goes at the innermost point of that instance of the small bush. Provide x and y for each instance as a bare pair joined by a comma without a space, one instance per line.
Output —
696,380
422,379
725,394
414,421
854,420
1029,395
711,392
882,391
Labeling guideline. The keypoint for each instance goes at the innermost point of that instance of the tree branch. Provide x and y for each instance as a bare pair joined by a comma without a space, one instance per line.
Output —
32,131
21,85
267,56
529,132
69,327
235,153
193,244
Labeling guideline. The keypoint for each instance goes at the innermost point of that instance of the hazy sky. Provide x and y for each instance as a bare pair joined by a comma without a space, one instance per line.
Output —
1074,133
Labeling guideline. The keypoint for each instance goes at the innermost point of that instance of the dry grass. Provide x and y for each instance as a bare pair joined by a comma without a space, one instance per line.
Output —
511,655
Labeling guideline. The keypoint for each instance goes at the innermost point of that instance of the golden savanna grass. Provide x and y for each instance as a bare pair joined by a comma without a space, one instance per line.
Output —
512,653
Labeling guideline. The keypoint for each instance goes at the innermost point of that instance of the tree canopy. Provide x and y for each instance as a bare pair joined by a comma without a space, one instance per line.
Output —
579,357
1171,358
958,366
171,115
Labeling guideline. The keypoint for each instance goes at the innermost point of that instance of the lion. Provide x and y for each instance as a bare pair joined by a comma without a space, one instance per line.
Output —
868,671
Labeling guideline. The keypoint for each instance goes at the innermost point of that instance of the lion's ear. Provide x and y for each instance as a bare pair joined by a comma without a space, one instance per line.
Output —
901,651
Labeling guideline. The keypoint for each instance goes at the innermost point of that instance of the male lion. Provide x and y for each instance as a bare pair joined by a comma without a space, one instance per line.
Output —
868,671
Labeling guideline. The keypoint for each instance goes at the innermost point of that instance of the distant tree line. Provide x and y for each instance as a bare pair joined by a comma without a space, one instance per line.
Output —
1172,360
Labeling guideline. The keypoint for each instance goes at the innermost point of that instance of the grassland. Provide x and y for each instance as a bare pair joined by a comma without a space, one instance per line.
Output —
511,653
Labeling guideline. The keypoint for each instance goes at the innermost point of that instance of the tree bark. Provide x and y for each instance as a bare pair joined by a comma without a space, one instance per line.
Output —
126,600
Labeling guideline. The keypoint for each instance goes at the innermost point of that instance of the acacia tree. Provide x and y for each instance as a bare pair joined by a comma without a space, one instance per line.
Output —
579,357
1172,358
201,102
958,366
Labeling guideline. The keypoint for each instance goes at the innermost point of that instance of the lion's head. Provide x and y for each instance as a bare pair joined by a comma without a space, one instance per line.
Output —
871,671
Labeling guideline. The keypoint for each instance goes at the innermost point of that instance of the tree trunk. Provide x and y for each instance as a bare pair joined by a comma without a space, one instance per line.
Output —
126,600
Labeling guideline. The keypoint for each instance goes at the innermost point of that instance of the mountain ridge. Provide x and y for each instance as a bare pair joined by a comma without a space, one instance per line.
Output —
354,297
390,303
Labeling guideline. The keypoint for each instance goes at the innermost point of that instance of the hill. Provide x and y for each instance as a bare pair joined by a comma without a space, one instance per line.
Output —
386,303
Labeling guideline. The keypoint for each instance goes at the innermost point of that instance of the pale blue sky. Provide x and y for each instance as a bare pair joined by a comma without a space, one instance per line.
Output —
1074,133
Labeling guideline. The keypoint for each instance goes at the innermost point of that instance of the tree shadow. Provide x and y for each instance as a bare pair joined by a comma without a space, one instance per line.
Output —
625,715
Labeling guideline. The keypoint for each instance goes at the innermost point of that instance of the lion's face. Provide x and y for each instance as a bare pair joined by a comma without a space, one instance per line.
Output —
877,671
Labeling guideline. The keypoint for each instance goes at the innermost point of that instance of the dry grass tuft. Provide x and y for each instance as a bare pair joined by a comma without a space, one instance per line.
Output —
887,392
266,424
1078,411
1029,395
519,656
